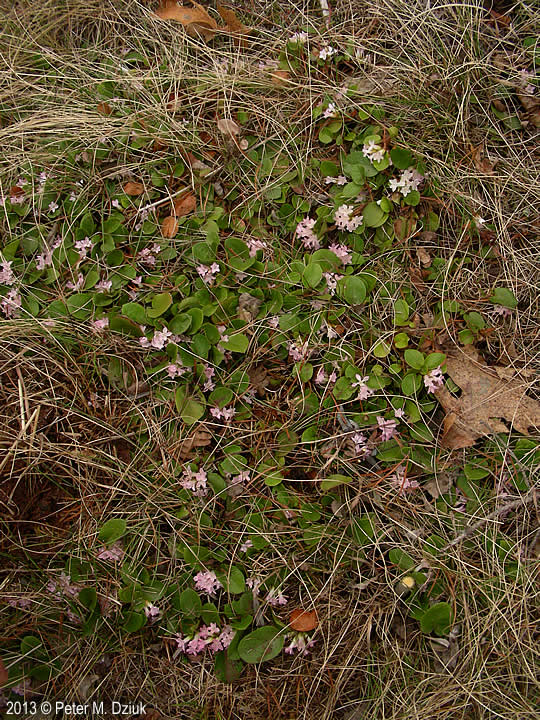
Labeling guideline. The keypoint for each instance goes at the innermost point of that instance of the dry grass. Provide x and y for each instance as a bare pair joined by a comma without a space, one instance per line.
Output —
434,70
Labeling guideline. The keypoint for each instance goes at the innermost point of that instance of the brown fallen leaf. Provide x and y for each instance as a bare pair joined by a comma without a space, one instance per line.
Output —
185,205
233,25
424,257
303,620
196,20
104,108
133,188
280,77
169,227
485,399
228,127
480,160
258,379
187,448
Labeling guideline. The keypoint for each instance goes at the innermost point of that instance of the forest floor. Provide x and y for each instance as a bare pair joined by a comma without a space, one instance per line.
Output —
269,354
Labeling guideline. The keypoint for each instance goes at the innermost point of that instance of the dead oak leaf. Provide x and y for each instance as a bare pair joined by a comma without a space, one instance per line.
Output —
233,25
187,448
133,188
486,399
185,205
169,227
195,19
303,620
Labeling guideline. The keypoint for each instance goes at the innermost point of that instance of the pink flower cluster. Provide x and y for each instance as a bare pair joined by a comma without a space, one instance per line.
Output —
147,256
7,276
343,253
209,373
364,392
159,340
236,485
410,180
400,480
63,586
300,642
321,378
387,428
45,259
360,445
77,285
207,582
276,598
304,230
103,285
196,482
298,352
152,612
344,219
373,151
226,413
208,274
208,637
11,304
19,602
434,380
332,280
114,553
339,180
331,111
83,247
254,244
174,370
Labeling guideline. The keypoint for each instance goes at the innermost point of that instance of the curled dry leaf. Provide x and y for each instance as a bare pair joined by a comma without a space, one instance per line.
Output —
228,127
486,399
303,620
185,205
258,379
424,257
280,77
133,188
104,108
195,19
169,227
233,25
187,448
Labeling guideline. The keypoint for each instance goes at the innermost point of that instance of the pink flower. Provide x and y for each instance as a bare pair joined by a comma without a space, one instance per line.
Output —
364,392
360,445
236,486
7,276
502,311
399,413
115,203
159,340
298,352
207,582
343,253
410,180
115,553
400,480
244,547
63,586
53,207
339,180
196,482
344,219
174,370
299,644
145,256
225,413
326,52
254,244
373,151
152,612
11,304
254,583
331,281
331,111
434,380
304,230
103,285
208,273
387,428
83,246
275,598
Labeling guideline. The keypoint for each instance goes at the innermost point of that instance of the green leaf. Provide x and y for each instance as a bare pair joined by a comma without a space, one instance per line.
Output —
237,343
414,359
433,361
401,340
381,349
437,619
210,614
412,198
328,169
401,559
325,136
411,384
401,312
112,530
160,304
133,621
354,289
88,598
312,275
333,481
88,225
117,323
180,323
134,311
190,604
189,409
401,158
304,372
504,297
261,645
373,215
221,396
233,580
